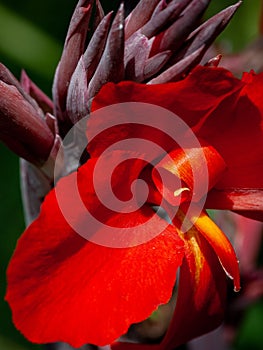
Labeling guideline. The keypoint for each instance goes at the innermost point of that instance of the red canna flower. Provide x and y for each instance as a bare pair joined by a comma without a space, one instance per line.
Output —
111,278
111,237
158,42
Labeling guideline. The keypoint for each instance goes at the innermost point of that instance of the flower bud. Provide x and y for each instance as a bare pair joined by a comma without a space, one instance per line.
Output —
21,127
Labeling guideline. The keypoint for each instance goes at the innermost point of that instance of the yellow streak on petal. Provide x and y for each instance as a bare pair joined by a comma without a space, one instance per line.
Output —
192,240
199,258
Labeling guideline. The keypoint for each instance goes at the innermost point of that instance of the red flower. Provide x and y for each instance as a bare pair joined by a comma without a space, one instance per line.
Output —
63,287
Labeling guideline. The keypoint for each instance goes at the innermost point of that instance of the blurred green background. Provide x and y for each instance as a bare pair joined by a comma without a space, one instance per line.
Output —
31,37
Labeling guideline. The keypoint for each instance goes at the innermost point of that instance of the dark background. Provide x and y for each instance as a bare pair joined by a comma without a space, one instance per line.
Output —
31,37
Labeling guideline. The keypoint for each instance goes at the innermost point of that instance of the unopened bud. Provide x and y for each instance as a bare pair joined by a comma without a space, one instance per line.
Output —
21,127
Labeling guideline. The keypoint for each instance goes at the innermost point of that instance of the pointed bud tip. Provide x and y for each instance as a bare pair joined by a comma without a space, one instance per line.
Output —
233,8
237,5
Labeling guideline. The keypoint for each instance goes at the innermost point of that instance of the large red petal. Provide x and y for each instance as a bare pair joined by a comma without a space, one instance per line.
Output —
224,111
241,146
192,99
236,131
201,296
62,287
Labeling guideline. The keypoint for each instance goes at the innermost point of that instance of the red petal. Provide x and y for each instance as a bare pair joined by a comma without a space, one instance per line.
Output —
221,246
190,172
241,189
175,97
236,131
201,296
224,111
62,287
